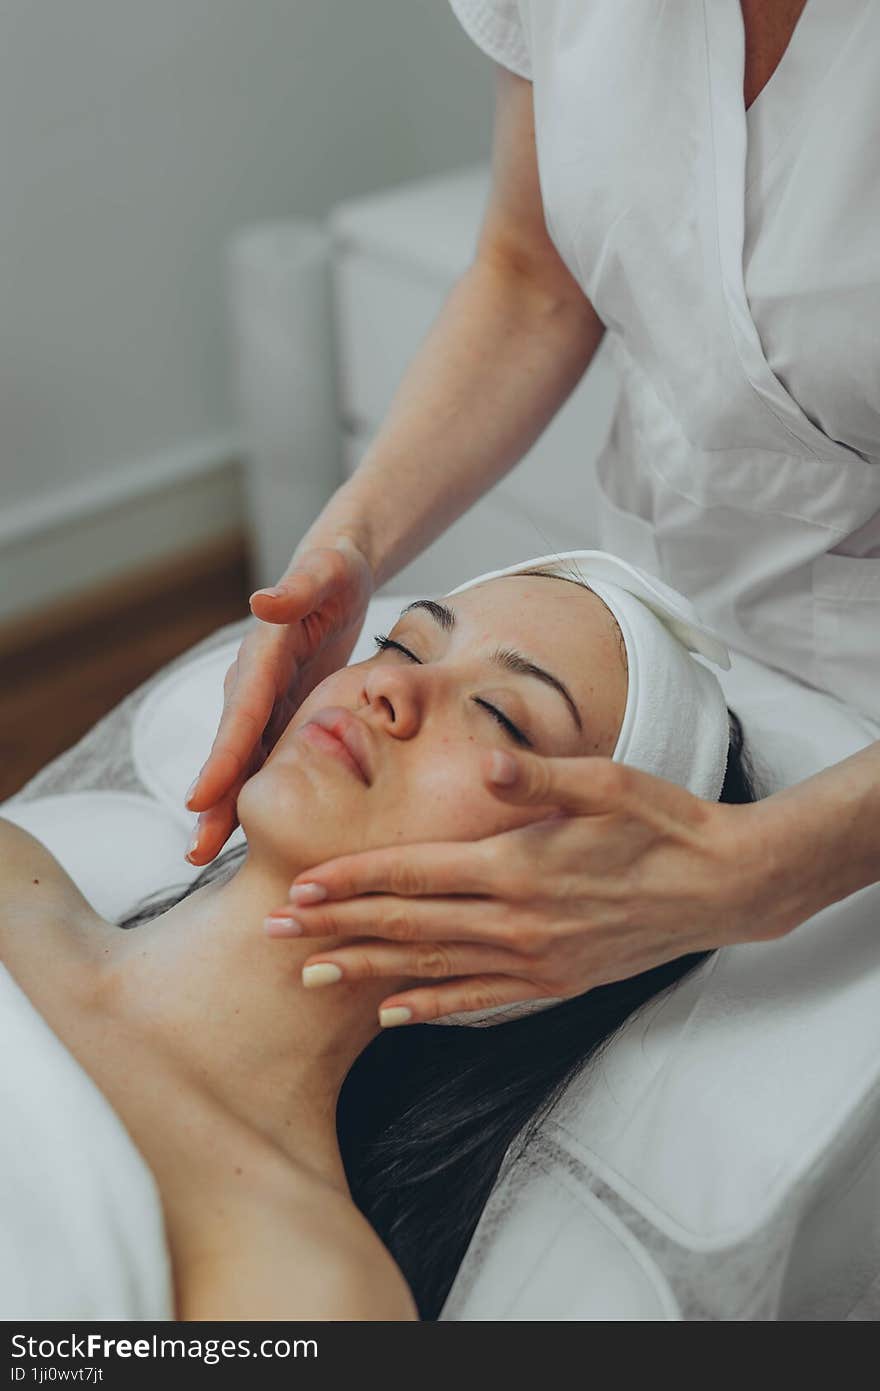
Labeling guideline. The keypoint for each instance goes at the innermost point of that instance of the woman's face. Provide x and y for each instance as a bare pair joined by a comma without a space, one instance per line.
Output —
422,720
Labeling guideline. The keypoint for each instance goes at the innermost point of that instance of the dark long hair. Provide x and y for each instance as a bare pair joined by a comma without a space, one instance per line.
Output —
427,1114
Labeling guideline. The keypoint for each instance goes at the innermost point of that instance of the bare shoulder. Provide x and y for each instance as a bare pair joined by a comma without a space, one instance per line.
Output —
289,1248
23,855
33,883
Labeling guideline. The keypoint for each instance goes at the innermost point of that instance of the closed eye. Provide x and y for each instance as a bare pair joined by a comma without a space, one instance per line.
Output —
384,643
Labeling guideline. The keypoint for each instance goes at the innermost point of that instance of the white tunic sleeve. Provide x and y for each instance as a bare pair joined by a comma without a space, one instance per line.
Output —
496,26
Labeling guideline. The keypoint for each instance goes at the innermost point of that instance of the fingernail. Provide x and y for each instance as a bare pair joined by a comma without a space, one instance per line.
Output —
273,593
307,893
192,787
325,973
395,1014
282,927
193,845
503,769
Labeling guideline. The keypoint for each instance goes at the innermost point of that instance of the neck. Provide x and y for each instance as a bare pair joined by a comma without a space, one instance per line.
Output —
206,982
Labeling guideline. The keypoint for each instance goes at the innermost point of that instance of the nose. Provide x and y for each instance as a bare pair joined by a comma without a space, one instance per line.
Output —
395,698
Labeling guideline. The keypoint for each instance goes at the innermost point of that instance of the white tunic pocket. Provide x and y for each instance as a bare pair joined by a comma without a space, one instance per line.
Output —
846,619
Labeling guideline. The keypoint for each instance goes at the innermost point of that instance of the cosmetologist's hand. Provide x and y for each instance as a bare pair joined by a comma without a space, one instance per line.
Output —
307,627
630,871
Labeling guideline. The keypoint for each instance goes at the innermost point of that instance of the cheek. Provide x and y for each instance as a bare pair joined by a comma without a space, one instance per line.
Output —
449,800
339,688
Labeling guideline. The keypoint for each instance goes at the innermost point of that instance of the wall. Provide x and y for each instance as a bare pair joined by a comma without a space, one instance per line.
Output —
137,140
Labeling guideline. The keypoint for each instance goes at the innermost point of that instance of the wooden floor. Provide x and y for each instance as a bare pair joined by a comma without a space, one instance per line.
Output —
63,671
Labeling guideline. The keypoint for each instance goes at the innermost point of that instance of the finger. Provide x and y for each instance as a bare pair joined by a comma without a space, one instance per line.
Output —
286,602
241,728
216,824
439,867
214,828
429,1002
430,961
314,580
397,919
582,785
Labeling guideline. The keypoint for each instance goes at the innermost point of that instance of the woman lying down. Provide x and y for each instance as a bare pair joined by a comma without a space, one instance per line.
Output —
310,1164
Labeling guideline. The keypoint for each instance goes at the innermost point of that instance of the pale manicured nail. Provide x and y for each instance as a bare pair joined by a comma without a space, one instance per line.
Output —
307,893
192,787
282,927
272,593
193,845
503,768
324,973
396,1014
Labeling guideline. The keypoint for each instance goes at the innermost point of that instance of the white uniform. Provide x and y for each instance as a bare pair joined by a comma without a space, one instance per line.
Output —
735,259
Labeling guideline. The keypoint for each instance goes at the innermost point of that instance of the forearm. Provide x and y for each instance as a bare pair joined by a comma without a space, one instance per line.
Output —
497,364
823,835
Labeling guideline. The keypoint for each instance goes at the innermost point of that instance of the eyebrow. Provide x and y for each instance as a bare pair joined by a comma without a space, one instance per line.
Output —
504,657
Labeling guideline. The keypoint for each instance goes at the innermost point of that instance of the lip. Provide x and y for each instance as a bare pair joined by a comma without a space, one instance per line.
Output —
350,732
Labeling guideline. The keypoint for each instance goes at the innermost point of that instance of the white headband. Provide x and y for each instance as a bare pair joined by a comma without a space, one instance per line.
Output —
675,723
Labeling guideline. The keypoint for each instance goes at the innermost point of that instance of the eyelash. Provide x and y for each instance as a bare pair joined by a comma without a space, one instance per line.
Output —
383,643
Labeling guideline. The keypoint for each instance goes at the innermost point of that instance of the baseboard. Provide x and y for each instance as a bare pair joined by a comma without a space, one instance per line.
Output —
75,541
220,565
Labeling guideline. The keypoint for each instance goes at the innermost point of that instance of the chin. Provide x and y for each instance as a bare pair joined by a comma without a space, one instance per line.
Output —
294,818
250,807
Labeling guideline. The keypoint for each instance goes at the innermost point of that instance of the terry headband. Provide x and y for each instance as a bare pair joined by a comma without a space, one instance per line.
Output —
675,722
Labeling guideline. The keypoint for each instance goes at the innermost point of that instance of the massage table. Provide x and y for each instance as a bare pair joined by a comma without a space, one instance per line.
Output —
721,1160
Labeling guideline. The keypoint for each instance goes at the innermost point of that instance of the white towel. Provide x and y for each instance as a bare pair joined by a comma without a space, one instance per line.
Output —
675,724
81,1226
